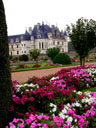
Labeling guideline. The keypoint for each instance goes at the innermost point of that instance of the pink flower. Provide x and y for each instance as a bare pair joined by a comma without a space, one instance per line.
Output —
28,121
45,126
32,117
93,114
11,108
27,114
86,114
21,125
39,117
46,117
70,112
65,126
31,99
61,107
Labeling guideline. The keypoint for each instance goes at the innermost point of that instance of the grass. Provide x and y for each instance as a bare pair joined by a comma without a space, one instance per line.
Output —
93,89
44,67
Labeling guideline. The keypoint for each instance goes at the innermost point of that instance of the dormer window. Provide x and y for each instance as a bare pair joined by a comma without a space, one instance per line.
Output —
12,41
58,43
17,40
21,37
39,36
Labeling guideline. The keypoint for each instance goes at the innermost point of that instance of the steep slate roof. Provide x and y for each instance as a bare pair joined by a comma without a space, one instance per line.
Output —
43,31
26,36
14,37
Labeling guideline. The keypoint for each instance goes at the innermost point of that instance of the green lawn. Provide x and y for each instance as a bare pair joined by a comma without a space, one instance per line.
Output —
93,89
44,67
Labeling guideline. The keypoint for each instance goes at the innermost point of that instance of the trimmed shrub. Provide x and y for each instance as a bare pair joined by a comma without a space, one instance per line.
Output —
62,58
46,58
23,57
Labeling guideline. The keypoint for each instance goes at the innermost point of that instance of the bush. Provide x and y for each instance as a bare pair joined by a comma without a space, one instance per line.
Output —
46,58
52,52
10,57
62,58
14,59
23,57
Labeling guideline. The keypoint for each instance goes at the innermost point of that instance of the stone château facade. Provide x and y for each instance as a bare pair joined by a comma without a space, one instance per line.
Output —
40,37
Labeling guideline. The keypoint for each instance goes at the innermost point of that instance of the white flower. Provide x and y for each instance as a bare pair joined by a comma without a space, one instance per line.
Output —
54,78
80,93
69,119
62,115
64,111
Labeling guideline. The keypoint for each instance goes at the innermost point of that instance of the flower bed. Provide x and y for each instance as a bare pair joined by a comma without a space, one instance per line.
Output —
55,101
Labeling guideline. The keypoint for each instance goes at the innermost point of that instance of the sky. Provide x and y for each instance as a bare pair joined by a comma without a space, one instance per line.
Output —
21,14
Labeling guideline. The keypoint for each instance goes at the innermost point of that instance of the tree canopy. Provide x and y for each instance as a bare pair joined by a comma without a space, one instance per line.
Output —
52,52
82,37
34,53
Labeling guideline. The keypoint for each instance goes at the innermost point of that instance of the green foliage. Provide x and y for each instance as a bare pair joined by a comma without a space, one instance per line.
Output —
45,58
5,76
34,53
62,58
52,52
10,57
14,58
23,57
83,37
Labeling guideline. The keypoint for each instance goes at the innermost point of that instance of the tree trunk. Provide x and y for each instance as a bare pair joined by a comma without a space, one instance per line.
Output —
5,75
82,61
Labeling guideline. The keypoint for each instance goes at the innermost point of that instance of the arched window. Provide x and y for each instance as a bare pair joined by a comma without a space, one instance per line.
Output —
17,52
53,42
58,43
42,45
39,45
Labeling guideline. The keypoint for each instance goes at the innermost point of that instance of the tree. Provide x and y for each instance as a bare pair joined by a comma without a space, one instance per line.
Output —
34,53
5,75
82,37
23,57
52,52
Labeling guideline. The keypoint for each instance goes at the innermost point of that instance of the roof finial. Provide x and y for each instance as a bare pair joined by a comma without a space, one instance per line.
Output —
42,22
56,24
26,28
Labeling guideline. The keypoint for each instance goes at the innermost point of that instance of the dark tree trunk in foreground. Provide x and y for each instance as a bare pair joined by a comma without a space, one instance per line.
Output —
5,76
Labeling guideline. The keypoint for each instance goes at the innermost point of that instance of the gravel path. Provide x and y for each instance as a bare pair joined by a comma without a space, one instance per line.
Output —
25,75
